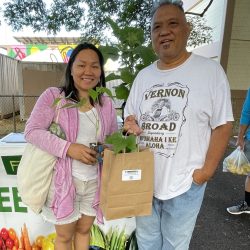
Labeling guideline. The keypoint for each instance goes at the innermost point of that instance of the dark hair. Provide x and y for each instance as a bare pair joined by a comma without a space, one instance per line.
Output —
69,87
159,3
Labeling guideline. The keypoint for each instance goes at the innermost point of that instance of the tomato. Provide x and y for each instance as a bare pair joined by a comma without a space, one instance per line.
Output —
1,242
9,243
12,233
4,233
39,240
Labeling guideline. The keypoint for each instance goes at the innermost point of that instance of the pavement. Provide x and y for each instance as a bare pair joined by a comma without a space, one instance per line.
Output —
216,229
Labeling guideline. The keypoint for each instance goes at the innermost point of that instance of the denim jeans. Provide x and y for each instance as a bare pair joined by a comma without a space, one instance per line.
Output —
172,222
247,149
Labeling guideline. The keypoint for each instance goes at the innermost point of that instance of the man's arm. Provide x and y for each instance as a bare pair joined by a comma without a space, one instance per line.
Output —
217,146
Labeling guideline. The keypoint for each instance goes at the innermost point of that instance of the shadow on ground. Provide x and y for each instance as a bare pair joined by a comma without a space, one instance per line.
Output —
216,229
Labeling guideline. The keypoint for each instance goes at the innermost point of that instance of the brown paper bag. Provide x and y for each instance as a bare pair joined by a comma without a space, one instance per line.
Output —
127,184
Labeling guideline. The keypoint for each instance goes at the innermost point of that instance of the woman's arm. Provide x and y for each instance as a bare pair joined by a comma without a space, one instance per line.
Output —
36,129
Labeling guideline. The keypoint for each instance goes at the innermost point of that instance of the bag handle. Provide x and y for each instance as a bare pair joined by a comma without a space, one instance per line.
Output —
58,110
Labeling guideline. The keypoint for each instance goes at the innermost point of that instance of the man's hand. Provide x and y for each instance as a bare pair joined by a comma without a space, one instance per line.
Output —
217,146
200,176
131,126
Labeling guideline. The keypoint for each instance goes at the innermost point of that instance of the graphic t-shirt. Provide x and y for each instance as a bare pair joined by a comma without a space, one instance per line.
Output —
177,109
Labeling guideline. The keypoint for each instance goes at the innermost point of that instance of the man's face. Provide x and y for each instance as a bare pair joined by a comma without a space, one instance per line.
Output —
169,33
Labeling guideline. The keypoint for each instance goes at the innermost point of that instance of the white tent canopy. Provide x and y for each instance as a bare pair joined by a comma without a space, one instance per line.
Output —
47,55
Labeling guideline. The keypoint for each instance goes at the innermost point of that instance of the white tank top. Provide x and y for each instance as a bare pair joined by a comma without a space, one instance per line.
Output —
89,129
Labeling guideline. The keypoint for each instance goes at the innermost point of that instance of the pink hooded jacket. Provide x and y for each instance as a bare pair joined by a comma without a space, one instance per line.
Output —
36,132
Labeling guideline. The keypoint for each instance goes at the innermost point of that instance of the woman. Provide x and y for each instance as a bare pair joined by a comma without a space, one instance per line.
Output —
74,188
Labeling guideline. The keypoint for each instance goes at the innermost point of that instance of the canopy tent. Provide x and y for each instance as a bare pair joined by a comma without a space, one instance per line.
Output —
47,55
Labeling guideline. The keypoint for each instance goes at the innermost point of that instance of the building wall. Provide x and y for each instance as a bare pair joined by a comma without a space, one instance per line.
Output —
229,19
238,65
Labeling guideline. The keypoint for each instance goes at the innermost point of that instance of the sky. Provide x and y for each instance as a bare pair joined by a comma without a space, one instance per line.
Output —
6,33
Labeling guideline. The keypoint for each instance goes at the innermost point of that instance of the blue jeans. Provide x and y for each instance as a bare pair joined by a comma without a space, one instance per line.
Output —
247,149
172,221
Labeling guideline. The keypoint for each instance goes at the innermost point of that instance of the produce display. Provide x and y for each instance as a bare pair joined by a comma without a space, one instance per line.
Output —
9,240
115,239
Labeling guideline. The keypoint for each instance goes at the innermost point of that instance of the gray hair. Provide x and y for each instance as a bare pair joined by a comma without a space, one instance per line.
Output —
158,3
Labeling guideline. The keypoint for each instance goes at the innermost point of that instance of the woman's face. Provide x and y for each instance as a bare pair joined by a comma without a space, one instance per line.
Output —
86,71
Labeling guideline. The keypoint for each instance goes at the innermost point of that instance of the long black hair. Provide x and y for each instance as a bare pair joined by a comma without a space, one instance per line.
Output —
69,88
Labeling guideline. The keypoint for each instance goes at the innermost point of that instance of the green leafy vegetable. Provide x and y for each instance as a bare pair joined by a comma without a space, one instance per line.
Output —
122,143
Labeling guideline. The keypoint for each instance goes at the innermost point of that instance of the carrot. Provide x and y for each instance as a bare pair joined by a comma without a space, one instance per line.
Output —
26,240
21,243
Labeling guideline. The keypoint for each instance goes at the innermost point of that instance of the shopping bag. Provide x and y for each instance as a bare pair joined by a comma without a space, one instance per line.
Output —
127,184
35,170
236,163
34,175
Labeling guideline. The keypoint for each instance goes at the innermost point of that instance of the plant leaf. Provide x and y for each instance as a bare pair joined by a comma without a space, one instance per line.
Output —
121,92
121,143
93,94
117,141
69,105
56,101
127,76
131,143
112,77
101,90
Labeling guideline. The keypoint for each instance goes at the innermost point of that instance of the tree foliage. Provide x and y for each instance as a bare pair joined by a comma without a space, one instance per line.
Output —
130,47
200,33
89,17
34,13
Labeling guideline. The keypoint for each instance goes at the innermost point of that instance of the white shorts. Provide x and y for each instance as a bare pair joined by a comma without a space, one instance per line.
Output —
85,194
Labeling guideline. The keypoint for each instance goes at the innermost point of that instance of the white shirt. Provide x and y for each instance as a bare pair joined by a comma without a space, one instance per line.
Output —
177,109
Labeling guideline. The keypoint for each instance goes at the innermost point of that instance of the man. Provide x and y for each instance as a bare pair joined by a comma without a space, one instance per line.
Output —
243,142
189,138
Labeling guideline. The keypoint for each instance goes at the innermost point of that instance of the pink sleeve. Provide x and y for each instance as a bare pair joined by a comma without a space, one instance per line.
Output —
36,130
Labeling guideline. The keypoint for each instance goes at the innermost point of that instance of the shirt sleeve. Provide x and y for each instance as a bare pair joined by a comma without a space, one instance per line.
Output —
222,106
36,129
245,114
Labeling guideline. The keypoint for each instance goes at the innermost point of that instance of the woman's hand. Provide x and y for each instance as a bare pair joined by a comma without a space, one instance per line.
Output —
131,126
82,153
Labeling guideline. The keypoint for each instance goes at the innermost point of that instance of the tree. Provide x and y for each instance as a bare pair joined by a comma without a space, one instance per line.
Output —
133,53
89,17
